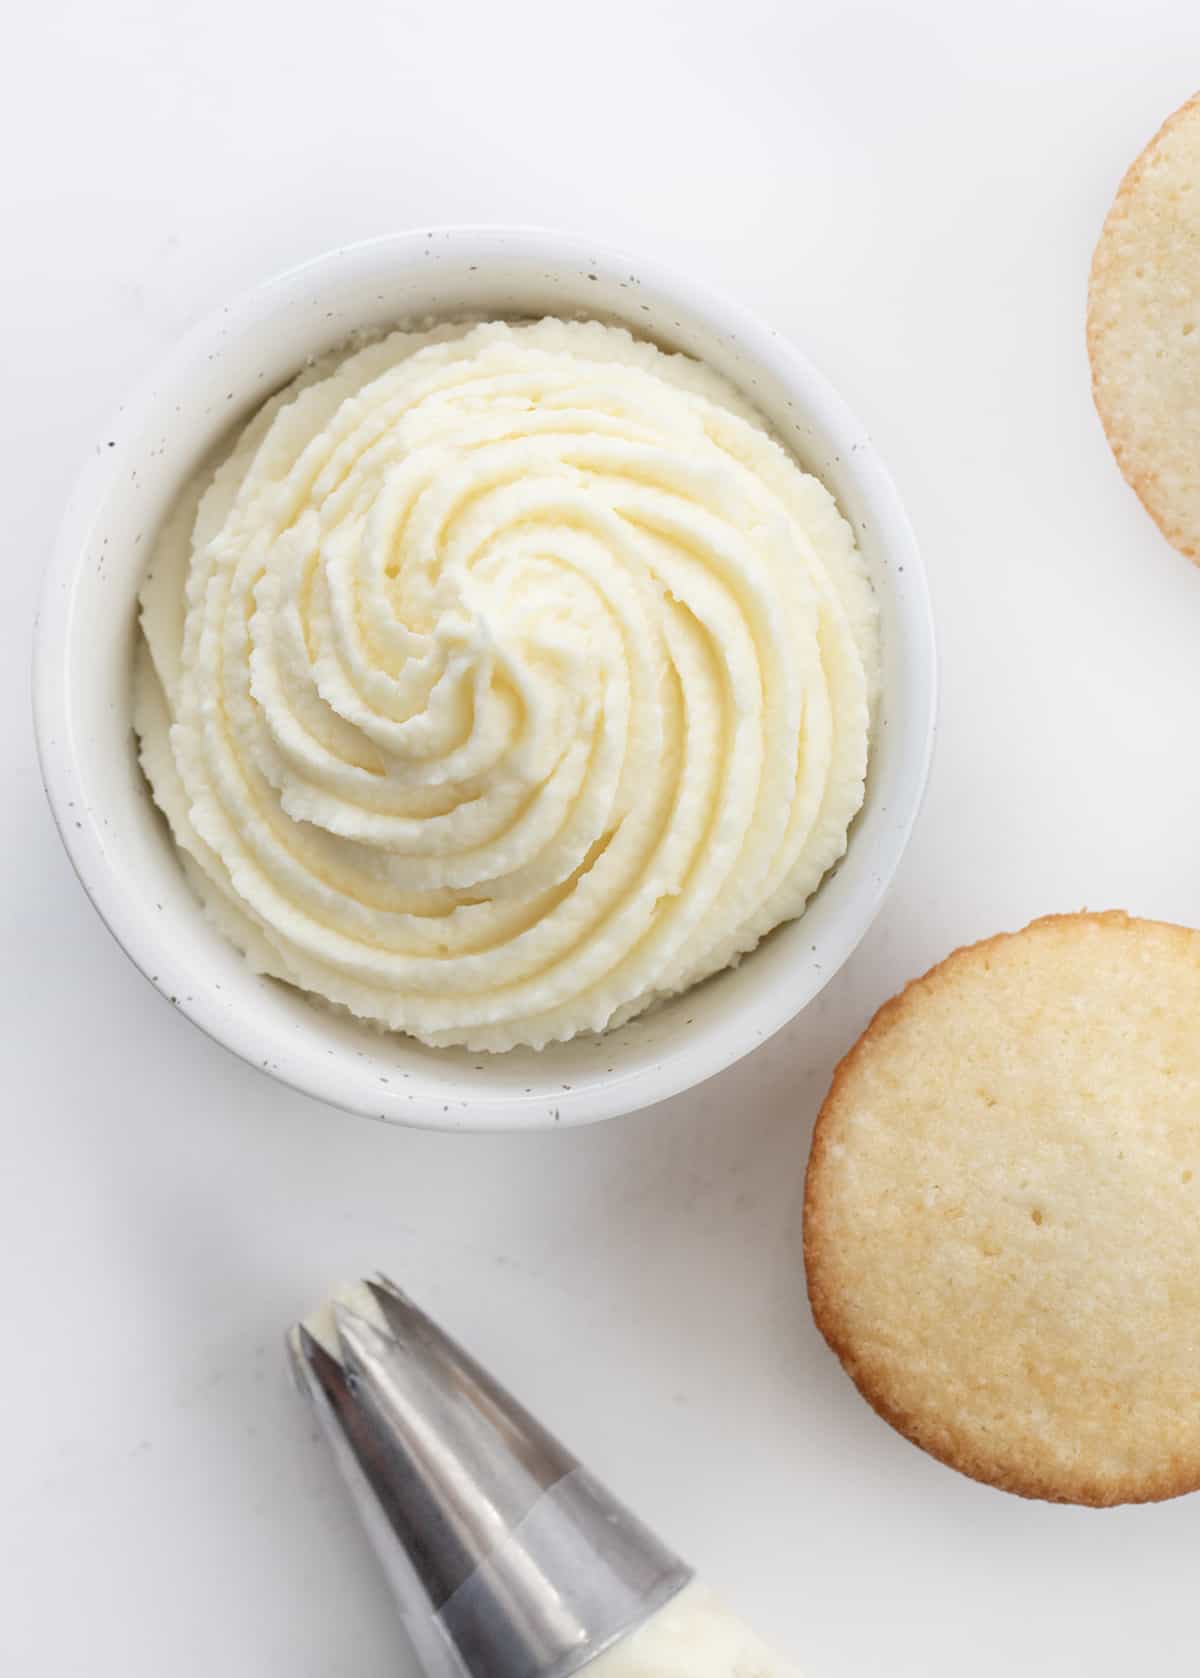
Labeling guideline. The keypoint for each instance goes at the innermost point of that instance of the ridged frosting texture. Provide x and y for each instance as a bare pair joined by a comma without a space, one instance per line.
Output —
503,679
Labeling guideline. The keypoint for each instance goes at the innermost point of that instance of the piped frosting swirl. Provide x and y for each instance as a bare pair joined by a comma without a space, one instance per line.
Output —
504,679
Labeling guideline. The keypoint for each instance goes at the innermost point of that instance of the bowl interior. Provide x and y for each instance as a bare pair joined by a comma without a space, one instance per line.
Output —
119,843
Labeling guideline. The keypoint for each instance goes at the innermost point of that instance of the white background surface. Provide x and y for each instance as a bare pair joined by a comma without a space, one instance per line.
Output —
912,192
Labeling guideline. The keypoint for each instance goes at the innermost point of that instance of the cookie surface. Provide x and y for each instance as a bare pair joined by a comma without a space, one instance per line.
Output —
1002,1211
1143,328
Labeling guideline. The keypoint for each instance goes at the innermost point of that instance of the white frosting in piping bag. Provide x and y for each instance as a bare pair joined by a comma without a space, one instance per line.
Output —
692,1637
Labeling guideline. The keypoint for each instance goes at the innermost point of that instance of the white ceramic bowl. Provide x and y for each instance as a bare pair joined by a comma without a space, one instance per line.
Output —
118,843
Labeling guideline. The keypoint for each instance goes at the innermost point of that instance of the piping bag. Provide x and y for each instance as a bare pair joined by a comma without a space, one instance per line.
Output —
507,1559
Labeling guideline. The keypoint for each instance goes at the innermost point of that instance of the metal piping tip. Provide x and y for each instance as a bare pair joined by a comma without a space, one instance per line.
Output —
507,1559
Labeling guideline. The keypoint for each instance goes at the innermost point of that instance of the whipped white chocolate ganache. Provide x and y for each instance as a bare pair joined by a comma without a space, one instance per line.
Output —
503,679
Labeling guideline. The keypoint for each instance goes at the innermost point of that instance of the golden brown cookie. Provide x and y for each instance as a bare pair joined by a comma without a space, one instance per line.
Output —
1143,328
1002,1211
